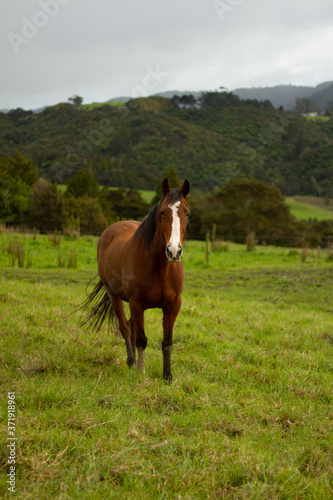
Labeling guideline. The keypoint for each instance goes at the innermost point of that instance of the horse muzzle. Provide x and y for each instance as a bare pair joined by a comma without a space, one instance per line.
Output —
174,254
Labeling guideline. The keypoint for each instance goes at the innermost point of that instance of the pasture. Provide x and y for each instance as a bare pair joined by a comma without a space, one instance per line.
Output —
306,211
249,413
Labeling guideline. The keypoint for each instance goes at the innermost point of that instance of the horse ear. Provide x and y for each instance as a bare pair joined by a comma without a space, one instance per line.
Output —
165,186
185,189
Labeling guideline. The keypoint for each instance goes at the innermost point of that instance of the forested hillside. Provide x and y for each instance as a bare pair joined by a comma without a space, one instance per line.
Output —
286,95
132,147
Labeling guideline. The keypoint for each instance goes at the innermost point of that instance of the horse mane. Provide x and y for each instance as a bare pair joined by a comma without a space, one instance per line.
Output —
147,229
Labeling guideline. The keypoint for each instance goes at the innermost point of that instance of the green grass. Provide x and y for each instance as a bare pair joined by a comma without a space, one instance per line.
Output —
93,105
147,196
315,201
249,412
305,211
318,118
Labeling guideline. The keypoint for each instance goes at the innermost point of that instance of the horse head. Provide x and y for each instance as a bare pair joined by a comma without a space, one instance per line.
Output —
173,215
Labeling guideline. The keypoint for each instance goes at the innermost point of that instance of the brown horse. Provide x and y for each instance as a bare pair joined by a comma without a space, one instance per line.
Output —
140,263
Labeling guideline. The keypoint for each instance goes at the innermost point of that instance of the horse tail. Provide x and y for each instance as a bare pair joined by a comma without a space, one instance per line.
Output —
98,308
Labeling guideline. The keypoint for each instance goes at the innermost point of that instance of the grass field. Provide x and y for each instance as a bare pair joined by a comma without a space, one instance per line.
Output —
318,118
315,201
306,211
92,105
249,414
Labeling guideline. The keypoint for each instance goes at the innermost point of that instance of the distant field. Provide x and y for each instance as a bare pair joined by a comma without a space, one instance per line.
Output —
146,195
92,105
305,211
314,201
316,118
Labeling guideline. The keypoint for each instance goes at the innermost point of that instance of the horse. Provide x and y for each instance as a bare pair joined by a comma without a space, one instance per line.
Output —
141,263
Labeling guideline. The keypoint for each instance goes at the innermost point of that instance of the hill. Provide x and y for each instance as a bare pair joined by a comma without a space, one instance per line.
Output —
286,95
133,147
323,96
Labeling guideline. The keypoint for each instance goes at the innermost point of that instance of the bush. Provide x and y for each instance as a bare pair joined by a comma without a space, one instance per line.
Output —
46,211
87,214
243,207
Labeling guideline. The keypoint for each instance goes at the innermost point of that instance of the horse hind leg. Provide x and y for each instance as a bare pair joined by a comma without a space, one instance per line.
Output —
125,328
139,339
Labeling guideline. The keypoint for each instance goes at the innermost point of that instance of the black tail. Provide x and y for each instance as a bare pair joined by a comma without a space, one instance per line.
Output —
98,308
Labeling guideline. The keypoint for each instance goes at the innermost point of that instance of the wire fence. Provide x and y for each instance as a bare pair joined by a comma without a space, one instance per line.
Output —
262,238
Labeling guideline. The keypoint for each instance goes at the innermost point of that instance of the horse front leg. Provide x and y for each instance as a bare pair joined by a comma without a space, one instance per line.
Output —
170,314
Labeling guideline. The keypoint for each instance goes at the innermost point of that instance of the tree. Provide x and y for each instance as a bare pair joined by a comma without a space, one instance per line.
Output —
305,106
86,213
76,101
174,182
17,176
329,109
83,183
123,204
187,100
218,100
14,200
19,114
18,168
46,211
247,206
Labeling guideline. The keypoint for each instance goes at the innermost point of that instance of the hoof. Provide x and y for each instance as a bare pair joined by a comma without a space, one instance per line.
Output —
167,379
131,362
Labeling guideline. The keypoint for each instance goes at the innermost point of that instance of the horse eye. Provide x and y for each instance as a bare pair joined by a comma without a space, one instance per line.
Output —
163,214
187,215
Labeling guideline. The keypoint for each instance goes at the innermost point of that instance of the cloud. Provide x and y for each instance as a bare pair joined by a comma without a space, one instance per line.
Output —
102,49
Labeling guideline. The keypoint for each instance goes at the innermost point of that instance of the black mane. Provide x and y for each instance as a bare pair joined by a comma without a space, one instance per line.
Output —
147,229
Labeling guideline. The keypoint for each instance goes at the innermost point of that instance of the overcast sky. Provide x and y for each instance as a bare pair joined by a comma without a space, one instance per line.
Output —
100,49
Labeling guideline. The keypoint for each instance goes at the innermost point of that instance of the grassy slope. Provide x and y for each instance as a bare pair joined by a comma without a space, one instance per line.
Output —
305,211
93,105
315,201
248,414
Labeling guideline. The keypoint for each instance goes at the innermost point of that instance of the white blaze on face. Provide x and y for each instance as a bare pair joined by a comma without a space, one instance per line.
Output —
175,228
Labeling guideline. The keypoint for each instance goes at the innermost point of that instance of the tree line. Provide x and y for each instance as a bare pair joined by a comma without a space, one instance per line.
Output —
237,209
28,201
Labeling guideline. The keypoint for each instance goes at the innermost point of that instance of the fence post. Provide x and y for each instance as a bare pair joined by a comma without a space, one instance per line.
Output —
213,235
207,249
